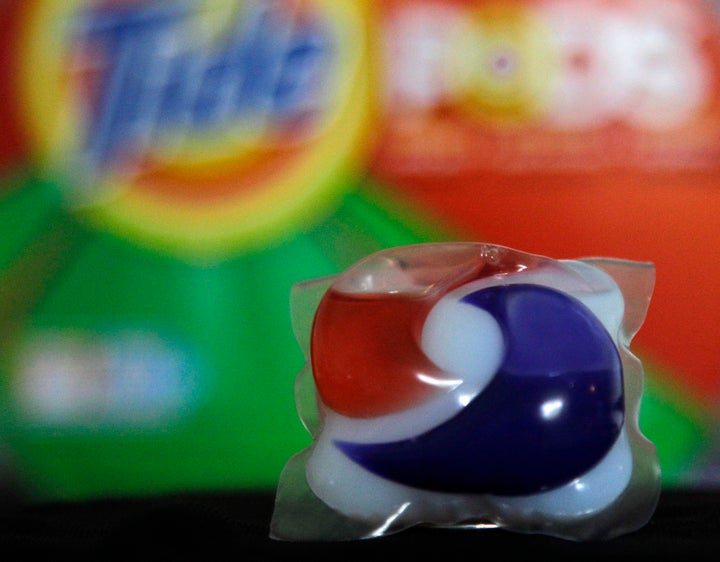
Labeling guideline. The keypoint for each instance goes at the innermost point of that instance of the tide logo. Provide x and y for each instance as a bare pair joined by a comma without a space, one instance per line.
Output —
196,126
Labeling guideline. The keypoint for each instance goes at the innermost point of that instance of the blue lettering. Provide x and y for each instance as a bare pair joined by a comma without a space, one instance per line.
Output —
270,71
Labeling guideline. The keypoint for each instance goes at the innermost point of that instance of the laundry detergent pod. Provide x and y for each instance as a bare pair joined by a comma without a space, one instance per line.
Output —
469,384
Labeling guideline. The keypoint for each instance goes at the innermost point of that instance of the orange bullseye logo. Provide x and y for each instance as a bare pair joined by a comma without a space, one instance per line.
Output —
197,127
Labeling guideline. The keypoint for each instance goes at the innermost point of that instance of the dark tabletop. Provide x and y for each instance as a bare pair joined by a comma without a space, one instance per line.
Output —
234,525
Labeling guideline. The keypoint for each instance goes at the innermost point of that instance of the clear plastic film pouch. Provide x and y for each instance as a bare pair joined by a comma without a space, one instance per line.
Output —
466,384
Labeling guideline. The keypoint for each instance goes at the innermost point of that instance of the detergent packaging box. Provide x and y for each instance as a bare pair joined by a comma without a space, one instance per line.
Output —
170,169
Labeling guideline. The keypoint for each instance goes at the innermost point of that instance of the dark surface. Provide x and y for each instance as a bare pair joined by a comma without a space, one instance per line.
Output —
234,525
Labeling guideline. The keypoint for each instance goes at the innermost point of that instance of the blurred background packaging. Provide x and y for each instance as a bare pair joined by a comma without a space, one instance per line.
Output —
169,169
